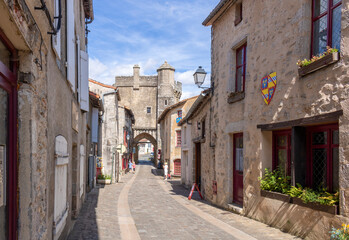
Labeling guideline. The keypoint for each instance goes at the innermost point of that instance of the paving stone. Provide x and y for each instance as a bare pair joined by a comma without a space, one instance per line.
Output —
157,215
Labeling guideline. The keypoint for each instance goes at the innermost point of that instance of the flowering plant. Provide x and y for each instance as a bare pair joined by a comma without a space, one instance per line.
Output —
340,234
306,62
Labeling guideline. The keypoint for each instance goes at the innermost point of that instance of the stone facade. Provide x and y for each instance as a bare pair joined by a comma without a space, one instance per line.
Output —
126,122
94,136
110,98
171,134
197,160
50,107
275,34
147,97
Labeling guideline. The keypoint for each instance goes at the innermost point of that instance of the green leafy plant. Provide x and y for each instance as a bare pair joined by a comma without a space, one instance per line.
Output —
104,177
340,234
275,181
306,62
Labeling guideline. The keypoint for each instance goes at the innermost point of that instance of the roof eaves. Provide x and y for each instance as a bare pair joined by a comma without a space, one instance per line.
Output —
217,11
163,114
204,95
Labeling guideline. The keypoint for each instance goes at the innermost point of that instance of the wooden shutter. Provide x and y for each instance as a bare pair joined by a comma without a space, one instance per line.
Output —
71,44
56,39
84,98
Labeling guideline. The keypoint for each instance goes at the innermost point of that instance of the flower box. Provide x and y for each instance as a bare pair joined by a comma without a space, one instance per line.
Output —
315,206
104,181
318,64
275,195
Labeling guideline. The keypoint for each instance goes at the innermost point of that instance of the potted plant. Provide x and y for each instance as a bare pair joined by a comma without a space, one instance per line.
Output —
103,179
275,185
307,66
317,200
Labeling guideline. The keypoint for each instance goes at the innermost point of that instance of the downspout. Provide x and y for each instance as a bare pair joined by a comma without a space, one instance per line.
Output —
59,17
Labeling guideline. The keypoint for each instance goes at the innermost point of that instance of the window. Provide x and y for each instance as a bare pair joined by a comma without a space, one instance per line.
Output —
166,103
148,109
238,13
185,135
323,157
240,69
179,113
282,151
326,25
179,138
203,133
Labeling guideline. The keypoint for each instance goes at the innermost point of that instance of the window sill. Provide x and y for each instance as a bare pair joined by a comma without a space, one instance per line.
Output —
237,21
235,97
288,199
319,64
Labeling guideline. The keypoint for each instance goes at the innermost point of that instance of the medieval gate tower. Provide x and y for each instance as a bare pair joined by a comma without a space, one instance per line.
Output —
147,97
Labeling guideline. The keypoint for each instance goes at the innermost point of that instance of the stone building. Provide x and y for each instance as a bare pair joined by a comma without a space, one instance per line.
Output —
44,100
147,97
171,134
267,112
125,138
196,154
110,98
94,136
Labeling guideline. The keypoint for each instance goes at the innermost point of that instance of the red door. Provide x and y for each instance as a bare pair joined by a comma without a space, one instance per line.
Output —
177,167
8,139
238,168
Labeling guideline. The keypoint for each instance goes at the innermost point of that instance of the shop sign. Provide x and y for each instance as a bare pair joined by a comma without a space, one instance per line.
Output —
178,119
268,86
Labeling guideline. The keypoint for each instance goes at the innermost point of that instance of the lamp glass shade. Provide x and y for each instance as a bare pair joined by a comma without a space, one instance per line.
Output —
199,76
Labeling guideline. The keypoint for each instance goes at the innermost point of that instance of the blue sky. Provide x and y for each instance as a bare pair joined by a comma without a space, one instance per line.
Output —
148,32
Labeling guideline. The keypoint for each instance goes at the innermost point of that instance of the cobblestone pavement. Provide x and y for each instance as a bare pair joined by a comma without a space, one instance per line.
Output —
160,210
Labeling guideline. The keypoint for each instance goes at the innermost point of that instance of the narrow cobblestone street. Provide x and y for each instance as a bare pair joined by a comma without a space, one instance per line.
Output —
156,209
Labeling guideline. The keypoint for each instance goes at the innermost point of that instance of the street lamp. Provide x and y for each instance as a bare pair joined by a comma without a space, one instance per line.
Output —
199,77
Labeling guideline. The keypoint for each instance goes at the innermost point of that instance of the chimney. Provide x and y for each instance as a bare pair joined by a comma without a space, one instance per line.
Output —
136,76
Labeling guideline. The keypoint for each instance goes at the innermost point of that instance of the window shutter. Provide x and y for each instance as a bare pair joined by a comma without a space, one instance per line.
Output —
84,100
71,44
56,39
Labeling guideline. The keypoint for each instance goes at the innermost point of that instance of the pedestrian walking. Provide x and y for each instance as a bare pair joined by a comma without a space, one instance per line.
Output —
134,167
165,171
129,166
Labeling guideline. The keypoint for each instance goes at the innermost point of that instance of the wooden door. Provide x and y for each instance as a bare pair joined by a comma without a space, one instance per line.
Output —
177,167
198,164
238,169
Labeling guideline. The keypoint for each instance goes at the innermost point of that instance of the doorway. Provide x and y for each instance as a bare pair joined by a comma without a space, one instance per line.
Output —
198,164
238,168
8,138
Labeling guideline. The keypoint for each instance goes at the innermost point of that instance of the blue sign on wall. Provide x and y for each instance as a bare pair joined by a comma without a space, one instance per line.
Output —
178,119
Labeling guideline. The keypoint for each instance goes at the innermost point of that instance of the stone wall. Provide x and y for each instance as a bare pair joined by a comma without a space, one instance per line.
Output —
45,101
276,38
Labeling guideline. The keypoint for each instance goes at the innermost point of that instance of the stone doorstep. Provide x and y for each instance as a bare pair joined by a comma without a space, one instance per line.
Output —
235,208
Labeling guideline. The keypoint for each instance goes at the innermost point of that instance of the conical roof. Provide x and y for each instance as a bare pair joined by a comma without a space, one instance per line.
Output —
165,66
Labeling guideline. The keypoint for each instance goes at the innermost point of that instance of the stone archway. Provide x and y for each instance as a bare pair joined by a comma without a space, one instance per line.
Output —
151,139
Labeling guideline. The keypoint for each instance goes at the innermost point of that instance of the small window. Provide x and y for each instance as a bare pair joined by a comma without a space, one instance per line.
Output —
326,26
179,113
166,103
240,69
238,13
185,135
203,133
148,109
282,151
179,138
